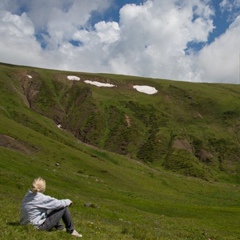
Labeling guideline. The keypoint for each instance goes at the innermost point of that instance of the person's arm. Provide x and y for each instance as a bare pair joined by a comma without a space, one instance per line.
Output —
48,202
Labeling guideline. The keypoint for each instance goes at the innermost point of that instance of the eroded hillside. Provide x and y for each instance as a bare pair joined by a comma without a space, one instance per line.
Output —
190,128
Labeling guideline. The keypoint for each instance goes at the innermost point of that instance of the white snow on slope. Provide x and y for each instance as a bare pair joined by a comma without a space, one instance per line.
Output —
73,78
140,88
145,89
99,84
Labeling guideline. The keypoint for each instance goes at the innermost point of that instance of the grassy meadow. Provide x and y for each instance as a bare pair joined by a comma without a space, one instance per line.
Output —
114,196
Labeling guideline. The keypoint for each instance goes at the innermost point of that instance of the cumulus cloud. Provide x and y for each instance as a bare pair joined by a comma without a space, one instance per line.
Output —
154,36
151,39
220,60
107,32
17,42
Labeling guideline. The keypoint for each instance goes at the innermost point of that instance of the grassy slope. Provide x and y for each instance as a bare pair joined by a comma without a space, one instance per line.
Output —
196,113
135,201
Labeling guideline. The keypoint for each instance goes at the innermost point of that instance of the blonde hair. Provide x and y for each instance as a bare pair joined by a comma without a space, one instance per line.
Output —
38,185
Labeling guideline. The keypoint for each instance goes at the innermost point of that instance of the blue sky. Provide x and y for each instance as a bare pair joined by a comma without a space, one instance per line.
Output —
188,40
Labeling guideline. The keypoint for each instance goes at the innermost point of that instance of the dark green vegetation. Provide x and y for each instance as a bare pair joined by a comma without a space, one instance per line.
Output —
163,166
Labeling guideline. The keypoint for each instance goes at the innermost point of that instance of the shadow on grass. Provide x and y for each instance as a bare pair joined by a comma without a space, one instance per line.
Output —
14,224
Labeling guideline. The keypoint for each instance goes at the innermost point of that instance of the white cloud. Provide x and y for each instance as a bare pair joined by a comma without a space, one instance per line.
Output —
220,60
149,40
17,42
227,5
107,32
65,18
232,7
155,34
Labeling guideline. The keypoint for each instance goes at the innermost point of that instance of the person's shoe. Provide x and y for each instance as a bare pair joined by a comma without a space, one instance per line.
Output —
76,234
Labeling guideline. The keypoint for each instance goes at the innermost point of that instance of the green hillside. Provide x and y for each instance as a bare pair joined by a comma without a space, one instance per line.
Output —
162,166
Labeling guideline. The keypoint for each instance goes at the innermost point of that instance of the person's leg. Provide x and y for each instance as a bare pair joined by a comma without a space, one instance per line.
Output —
67,219
54,218
59,226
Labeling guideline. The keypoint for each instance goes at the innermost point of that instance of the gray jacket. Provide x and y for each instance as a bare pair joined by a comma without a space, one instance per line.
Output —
36,206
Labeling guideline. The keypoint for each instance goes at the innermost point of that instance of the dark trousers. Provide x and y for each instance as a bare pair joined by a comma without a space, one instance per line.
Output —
53,220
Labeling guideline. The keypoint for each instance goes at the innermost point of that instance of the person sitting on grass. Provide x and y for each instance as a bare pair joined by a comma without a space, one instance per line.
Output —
45,212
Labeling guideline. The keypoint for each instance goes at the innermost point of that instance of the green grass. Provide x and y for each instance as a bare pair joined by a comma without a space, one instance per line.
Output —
133,200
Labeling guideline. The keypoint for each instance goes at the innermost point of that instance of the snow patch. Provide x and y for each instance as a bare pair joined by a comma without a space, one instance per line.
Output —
73,78
145,89
99,84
